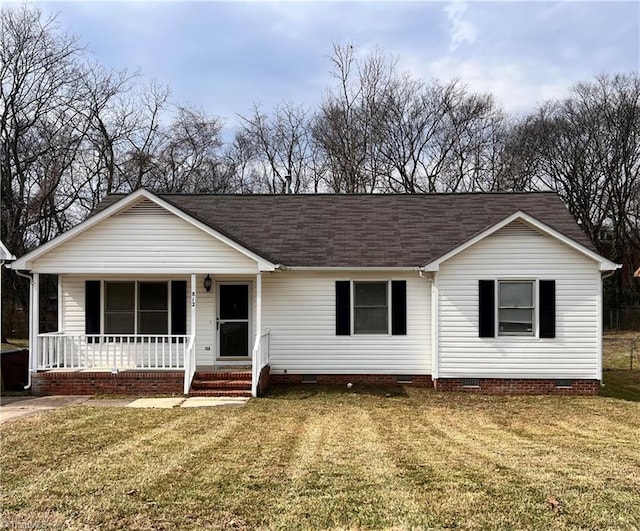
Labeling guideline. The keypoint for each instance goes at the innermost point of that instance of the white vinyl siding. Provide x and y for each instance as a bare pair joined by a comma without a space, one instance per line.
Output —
144,239
299,308
519,252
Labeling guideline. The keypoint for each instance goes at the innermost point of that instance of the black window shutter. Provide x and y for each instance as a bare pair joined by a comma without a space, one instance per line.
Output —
399,307
547,308
179,307
92,307
343,308
487,308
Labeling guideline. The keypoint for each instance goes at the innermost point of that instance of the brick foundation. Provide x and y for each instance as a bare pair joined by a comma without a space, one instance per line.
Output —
361,379
264,380
513,386
171,383
122,383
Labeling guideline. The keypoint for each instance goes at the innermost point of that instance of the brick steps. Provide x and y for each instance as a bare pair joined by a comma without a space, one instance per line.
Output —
220,392
221,383
244,385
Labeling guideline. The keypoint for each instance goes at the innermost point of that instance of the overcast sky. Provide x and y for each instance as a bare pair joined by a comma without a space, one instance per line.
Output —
223,56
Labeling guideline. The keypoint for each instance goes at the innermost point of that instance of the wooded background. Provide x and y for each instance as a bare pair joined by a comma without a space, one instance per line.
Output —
73,131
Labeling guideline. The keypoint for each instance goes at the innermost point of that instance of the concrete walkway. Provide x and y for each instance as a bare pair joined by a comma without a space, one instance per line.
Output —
13,407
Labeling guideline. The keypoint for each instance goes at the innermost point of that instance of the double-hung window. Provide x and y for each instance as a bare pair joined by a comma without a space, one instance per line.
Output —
516,308
370,308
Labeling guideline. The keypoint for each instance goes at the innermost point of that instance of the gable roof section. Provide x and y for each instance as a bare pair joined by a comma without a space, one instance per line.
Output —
123,203
605,265
378,231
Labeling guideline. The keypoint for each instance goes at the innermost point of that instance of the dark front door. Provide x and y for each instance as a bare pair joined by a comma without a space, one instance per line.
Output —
233,320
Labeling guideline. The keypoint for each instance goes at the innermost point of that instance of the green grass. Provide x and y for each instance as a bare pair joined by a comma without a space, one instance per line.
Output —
315,458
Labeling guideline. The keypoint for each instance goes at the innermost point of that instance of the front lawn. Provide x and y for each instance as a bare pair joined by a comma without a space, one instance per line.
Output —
313,458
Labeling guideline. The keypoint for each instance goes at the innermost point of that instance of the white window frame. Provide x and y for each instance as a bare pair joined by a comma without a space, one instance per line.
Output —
136,306
353,307
534,309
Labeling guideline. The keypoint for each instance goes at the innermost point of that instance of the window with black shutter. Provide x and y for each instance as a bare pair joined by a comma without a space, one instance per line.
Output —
377,307
514,304
487,308
548,308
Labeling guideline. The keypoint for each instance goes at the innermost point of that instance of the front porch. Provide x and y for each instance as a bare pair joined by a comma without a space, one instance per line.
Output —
211,336
139,365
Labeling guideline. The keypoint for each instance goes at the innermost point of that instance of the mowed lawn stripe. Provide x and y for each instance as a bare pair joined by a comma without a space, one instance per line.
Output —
342,475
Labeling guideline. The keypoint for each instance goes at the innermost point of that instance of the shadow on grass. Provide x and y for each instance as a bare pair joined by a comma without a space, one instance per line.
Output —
621,384
301,391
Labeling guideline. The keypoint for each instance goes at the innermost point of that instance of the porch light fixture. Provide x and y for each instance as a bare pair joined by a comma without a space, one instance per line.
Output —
207,283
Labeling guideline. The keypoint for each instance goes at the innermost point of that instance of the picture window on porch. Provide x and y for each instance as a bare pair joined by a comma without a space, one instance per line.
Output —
144,310
137,307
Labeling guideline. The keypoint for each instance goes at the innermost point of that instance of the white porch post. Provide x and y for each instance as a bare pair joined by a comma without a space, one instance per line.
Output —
193,305
34,316
258,307
60,316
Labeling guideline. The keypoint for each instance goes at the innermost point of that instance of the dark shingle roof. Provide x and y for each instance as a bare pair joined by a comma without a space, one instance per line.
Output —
392,230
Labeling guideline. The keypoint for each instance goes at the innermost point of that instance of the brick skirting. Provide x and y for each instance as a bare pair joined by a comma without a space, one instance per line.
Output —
362,379
264,379
171,383
513,386
122,383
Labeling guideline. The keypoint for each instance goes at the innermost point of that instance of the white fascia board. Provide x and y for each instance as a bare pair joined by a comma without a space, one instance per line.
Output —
186,270
5,254
604,264
123,204
345,268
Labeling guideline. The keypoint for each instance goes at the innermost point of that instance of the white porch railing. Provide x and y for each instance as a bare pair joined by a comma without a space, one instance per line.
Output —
189,364
260,359
116,352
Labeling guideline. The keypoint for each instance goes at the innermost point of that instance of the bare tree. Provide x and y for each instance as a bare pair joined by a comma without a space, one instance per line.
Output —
587,148
281,147
351,121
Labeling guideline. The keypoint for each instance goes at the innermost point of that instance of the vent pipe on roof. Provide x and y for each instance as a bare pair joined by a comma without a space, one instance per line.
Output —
287,179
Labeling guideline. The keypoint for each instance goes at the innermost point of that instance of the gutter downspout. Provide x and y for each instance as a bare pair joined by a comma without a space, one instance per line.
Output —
30,278
434,321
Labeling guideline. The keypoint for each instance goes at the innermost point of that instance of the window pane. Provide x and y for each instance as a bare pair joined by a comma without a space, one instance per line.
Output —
153,296
234,301
371,321
516,294
153,323
118,323
370,294
120,296
514,320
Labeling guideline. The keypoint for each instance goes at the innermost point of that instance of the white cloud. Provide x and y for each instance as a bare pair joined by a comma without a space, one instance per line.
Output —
462,29
519,87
